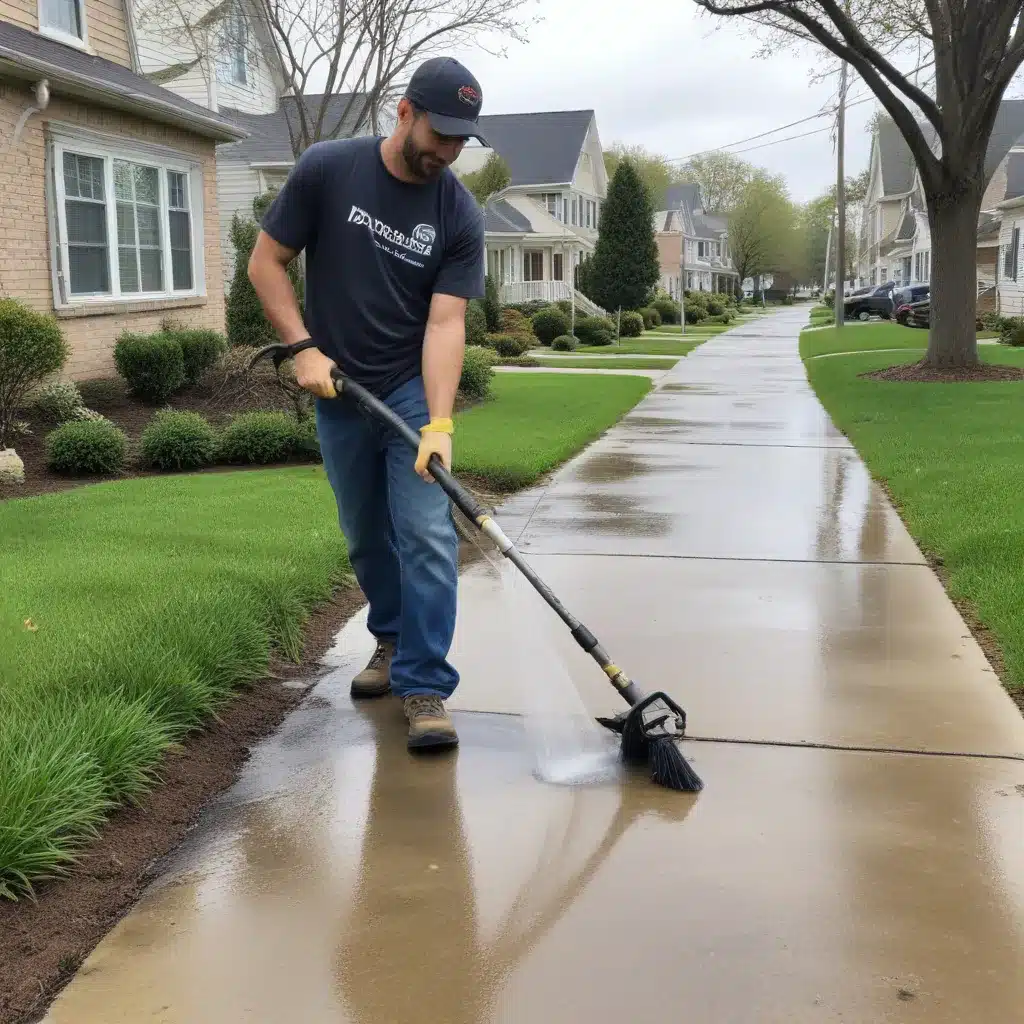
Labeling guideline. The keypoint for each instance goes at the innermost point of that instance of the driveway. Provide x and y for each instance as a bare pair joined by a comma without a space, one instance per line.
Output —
727,545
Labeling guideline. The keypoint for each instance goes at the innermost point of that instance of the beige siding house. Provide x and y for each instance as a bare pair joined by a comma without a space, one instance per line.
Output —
110,214
895,238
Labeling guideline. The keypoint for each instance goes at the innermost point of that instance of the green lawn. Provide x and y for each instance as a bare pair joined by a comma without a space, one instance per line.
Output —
647,345
692,330
537,421
951,455
866,338
132,610
611,363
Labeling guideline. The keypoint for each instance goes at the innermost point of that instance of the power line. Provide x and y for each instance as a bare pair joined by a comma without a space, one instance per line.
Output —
813,117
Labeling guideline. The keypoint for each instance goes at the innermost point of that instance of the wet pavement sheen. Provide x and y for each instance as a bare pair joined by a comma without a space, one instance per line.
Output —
727,545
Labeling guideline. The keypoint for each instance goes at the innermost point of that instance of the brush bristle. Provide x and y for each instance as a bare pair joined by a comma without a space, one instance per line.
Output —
669,768
635,743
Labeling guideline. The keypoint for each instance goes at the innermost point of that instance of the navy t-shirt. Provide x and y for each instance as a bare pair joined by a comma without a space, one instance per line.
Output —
377,249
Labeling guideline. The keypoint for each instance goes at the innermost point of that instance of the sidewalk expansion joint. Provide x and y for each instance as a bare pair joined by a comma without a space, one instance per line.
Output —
525,550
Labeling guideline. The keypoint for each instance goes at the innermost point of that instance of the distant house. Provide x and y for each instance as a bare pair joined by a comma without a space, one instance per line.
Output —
109,182
708,264
239,76
541,226
895,238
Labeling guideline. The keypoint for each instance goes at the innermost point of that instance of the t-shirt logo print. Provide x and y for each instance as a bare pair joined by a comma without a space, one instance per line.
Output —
421,242
424,233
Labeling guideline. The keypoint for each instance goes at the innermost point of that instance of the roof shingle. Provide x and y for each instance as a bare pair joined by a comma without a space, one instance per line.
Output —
540,148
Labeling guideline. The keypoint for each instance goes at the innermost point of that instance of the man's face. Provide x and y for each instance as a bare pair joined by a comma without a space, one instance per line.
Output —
425,152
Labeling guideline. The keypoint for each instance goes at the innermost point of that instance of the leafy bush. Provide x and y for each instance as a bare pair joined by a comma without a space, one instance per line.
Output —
476,323
178,440
668,310
259,437
514,321
510,344
1016,336
199,351
32,347
595,330
564,343
696,305
565,305
715,305
724,318
59,401
477,373
549,323
530,308
651,314
632,325
152,365
86,447
1008,328
787,300
492,304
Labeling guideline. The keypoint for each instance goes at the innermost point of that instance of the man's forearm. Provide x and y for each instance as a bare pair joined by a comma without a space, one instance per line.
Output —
444,347
277,296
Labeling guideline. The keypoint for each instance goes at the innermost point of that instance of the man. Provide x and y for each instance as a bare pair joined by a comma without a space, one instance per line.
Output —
394,249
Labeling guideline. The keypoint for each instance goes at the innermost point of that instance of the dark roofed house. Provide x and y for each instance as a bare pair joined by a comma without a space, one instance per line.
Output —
540,227
109,182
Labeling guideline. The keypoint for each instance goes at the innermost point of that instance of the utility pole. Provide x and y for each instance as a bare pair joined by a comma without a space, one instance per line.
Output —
682,270
841,197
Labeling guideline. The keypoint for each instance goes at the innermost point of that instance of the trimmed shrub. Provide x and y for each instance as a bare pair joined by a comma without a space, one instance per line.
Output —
653,314
152,365
32,347
565,305
477,373
510,344
564,343
199,351
59,401
529,309
549,323
92,447
259,437
178,440
476,323
513,321
715,305
633,324
1016,336
668,310
595,330
1009,328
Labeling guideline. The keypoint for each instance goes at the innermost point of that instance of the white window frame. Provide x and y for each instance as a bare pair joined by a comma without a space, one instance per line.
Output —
225,61
66,37
109,148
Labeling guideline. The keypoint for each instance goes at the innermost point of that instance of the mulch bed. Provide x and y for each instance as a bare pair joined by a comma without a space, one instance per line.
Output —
921,373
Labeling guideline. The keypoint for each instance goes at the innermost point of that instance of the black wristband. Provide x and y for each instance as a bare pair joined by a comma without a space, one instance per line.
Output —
299,346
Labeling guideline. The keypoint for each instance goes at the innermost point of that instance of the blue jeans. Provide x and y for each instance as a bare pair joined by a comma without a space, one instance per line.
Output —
401,538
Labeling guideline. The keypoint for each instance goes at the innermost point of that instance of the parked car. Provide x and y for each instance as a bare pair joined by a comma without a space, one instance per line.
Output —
904,298
919,314
873,302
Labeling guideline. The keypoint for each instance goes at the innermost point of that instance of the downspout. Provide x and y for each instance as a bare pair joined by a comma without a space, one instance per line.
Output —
42,100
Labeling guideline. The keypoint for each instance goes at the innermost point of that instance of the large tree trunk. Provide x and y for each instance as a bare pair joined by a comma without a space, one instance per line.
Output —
953,219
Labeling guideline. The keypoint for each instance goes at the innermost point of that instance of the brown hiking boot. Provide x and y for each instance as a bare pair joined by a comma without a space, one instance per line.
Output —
375,679
429,724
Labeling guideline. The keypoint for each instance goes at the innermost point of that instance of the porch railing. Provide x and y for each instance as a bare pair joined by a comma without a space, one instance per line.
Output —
547,291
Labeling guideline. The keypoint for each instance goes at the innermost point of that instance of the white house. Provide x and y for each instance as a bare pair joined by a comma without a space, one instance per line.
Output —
546,220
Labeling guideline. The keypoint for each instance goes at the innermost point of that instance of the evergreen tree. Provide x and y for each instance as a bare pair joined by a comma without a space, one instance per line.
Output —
625,264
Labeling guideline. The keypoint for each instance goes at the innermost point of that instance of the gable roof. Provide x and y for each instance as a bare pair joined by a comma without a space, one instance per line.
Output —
540,148
907,228
898,164
85,77
1015,176
687,196
269,140
504,218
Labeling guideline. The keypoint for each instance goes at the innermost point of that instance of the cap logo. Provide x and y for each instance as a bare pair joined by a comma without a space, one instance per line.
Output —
469,95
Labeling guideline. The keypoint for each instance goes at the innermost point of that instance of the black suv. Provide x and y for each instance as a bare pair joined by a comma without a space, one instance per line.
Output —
874,302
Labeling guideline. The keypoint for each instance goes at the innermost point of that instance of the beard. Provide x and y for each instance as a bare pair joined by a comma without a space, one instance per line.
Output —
422,164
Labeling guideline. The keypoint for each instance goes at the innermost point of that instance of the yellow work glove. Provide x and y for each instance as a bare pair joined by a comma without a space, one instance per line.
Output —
435,439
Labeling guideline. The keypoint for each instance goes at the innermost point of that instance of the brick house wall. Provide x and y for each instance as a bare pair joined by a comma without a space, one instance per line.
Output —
105,25
25,243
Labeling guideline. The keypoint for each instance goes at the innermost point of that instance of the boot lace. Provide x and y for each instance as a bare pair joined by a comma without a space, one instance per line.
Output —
423,704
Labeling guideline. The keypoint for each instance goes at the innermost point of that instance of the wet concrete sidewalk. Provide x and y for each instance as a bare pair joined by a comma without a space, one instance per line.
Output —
726,544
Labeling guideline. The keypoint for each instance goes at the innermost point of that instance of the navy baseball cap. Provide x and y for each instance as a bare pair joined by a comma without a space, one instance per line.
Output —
450,95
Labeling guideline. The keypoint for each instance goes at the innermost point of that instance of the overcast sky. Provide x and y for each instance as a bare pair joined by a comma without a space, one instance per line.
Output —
656,72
